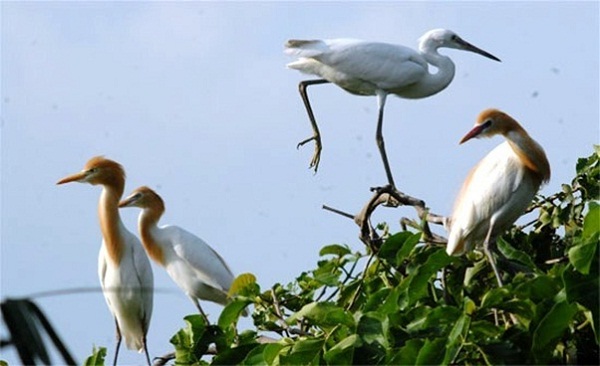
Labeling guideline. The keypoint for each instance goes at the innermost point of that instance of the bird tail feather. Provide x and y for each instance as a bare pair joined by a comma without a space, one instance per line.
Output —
305,48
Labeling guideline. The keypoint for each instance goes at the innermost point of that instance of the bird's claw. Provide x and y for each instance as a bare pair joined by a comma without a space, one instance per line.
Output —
314,162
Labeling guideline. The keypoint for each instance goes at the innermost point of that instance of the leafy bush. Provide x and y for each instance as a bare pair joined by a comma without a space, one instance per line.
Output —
410,303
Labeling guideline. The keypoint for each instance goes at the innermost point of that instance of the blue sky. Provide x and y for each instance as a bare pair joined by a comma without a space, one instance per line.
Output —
195,101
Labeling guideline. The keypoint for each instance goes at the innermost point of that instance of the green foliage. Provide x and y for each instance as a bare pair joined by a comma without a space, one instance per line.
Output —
411,304
96,358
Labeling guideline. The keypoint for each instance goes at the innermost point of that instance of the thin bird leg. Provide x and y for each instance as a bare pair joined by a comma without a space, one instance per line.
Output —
379,138
195,301
302,86
118,332
146,351
488,253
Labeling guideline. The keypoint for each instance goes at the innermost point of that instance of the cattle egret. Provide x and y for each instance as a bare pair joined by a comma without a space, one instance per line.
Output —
124,270
375,68
499,188
194,266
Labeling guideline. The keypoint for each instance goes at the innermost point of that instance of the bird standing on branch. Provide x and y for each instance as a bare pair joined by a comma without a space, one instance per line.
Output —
124,270
194,266
499,188
375,68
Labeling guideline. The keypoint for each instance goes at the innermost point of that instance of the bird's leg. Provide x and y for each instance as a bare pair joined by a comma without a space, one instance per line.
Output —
146,351
316,135
488,253
197,304
118,333
381,96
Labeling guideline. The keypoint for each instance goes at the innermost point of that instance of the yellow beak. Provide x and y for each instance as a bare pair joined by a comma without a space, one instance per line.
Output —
77,177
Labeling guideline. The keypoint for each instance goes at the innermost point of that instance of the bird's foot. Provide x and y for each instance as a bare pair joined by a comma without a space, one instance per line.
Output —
314,162
388,192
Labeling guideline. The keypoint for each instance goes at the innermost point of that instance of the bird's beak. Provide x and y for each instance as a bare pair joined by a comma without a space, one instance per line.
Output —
473,133
469,47
77,177
128,201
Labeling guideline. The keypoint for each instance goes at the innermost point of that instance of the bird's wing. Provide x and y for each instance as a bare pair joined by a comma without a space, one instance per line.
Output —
102,271
205,261
305,48
386,65
145,277
496,188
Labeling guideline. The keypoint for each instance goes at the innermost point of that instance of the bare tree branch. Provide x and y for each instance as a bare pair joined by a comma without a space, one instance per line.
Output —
389,196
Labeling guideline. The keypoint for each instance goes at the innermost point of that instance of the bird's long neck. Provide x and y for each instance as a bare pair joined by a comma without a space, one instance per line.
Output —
431,84
148,225
529,152
110,221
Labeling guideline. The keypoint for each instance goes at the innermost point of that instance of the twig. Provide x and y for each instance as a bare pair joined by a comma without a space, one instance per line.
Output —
339,212
348,276
364,273
284,325
391,197
162,360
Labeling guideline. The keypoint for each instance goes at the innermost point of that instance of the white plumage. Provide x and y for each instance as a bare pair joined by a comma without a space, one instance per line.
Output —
376,68
499,191
499,188
123,268
198,270
194,266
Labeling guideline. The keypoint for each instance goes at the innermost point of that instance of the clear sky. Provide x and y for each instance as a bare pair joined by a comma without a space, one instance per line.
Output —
195,101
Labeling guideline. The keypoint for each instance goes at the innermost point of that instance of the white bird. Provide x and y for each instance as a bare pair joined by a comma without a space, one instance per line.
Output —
499,188
123,267
194,266
375,68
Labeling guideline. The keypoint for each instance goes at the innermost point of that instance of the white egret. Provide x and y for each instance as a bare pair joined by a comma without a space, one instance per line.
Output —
124,270
194,266
499,188
375,68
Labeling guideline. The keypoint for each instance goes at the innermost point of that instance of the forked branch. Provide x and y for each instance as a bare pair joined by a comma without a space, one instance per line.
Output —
391,197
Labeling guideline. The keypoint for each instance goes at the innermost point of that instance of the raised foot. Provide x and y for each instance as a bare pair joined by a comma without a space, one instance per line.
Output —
316,158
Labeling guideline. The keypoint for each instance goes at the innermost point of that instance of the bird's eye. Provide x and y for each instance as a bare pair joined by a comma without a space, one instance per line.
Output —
486,124
92,170
454,37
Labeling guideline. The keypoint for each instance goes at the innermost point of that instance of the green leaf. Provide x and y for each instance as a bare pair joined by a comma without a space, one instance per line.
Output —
244,284
539,288
407,355
231,356
584,289
432,352
303,352
373,328
335,249
549,329
232,311
263,354
456,338
439,318
591,223
342,352
323,314
409,244
97,357
414,287
581,256
482,329
398,246
514,254
494,297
